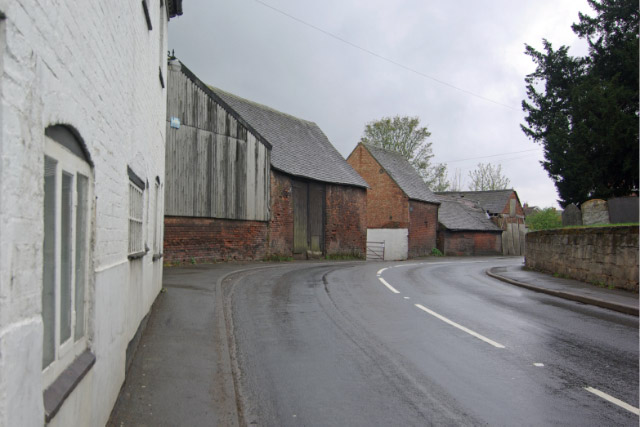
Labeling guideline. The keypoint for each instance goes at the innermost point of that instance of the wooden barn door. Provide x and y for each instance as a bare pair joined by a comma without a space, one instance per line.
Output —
316,217
308,217
300,217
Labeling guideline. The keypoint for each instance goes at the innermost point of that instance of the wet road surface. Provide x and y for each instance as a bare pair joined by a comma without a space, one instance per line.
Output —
420,343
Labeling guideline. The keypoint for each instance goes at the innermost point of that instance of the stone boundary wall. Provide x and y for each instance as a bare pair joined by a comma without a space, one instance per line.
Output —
602,255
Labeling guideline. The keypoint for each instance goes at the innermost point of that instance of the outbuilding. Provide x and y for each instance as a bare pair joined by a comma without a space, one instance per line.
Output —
464,228
505,210
401,210
261,183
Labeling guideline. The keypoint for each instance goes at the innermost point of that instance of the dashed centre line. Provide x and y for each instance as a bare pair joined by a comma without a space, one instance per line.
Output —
613,400
391,288
462,328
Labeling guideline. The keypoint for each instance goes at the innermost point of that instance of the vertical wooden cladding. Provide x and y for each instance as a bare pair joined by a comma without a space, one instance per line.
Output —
300,217
215,168
308,216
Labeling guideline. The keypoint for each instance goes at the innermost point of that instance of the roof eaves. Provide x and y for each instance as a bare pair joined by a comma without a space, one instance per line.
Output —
317,180
174,8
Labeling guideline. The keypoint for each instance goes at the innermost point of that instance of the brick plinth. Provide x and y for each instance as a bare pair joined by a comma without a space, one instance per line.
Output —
211,239
470,242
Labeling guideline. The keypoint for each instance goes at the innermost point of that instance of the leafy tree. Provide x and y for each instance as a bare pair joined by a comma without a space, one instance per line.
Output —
405,136
488,177
586,115
456,181
544,219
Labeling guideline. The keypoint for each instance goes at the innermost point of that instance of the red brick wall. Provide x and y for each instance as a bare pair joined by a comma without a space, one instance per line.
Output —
470,242
211,239
423,221
345,220
387,206
280,235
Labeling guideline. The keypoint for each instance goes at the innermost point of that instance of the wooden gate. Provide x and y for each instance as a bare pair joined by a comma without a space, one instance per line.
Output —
308,217
513,239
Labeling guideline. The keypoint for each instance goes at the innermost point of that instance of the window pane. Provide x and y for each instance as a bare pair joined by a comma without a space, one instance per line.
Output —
81,254
66,230
136,200
49,262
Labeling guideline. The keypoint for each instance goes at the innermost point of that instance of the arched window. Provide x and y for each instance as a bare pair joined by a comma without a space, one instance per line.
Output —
67,213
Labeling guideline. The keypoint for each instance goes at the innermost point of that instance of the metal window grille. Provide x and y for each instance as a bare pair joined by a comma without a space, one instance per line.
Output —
136,198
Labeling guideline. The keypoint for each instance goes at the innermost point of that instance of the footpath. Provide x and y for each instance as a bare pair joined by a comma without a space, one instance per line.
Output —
574,290
181,371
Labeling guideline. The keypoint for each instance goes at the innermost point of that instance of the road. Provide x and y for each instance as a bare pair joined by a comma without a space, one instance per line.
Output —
434,342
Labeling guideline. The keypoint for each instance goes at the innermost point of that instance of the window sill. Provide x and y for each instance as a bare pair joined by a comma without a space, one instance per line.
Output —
157,257
55,395
137,255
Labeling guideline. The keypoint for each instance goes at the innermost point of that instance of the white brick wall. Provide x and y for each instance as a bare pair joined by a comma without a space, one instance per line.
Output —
93,65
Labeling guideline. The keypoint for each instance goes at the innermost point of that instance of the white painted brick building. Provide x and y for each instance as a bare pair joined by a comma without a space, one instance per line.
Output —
80,232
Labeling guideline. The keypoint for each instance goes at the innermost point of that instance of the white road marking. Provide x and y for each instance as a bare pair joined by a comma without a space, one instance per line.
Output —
441,263
391,288
381,270
406,297
613,400
462,328
538,364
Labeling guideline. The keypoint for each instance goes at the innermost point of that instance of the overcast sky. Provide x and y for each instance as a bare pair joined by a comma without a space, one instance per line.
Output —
256,52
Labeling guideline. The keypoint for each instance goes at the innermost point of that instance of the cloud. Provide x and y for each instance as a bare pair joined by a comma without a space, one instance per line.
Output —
258,53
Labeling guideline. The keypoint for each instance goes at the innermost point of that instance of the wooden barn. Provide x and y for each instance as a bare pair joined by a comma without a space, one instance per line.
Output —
401,210
464,228
505,210
245,181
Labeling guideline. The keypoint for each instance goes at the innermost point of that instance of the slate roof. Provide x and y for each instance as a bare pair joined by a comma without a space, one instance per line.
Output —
299,147
403,174
459,214
493,201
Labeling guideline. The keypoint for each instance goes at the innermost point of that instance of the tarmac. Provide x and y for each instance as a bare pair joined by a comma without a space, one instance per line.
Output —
182,367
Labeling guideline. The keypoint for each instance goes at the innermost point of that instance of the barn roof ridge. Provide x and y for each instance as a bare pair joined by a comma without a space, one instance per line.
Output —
299,147
257,104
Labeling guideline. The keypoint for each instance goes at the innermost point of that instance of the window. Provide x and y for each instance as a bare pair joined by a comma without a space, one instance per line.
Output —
136,219
162,57
67,206
158,214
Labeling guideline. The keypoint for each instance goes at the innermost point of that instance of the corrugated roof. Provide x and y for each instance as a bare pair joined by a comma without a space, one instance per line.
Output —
493,201
459,214
299,147
405,175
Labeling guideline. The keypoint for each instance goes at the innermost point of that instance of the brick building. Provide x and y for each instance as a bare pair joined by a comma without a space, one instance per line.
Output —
505,210
464,228
397,198
287,191
82,137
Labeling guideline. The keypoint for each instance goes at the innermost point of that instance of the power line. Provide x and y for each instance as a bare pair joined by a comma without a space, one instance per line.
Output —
384,58
492,155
